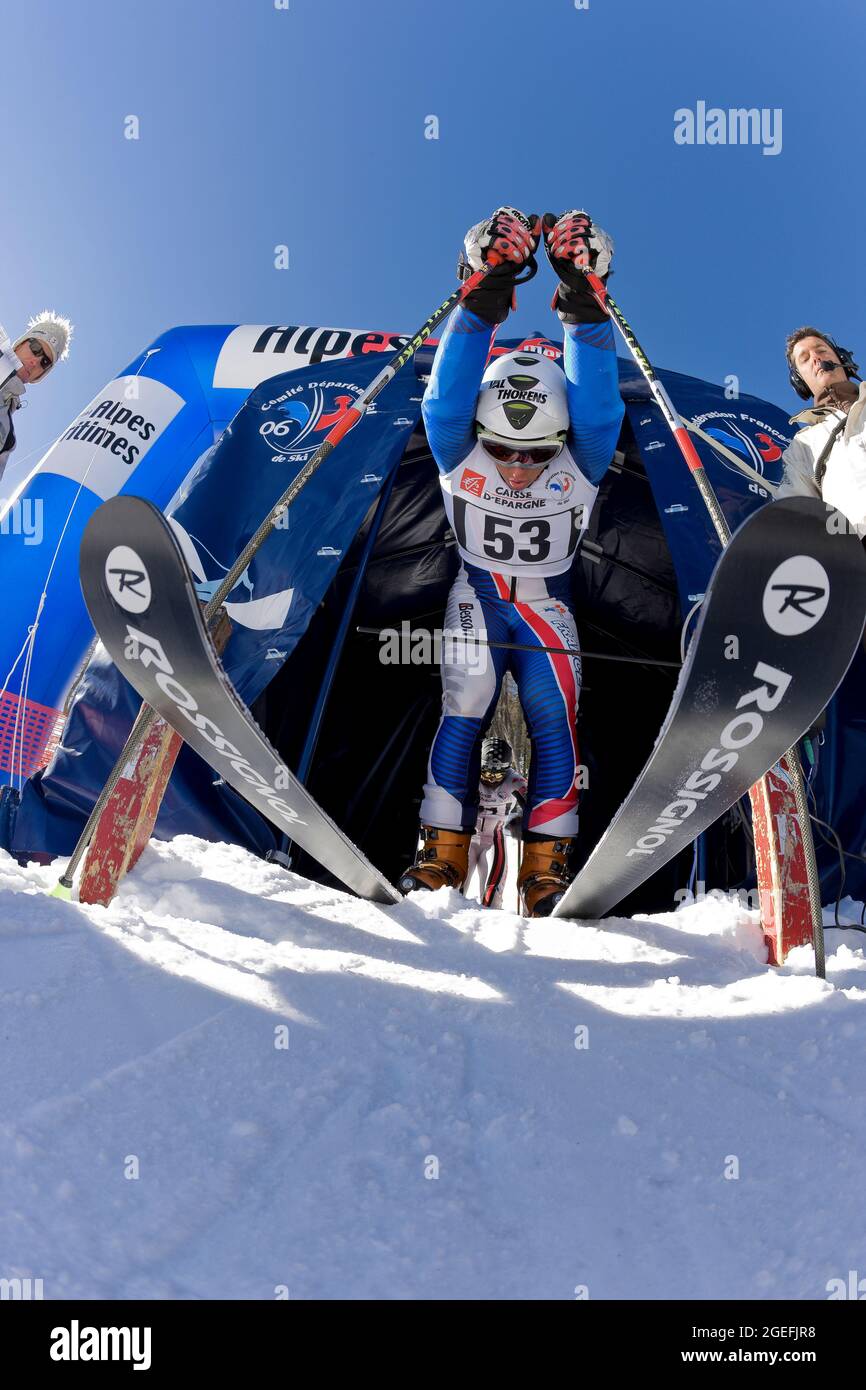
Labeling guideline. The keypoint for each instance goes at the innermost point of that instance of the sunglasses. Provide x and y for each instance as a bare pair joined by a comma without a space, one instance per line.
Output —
535,456
492,778
39,353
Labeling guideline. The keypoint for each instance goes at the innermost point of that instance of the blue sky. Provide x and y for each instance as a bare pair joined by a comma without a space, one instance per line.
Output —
306,127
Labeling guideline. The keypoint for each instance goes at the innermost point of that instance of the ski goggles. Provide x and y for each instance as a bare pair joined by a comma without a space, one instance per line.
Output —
532,456
492,778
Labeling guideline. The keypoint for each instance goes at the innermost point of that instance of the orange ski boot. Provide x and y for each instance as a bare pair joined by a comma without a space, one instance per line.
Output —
441,862
543,876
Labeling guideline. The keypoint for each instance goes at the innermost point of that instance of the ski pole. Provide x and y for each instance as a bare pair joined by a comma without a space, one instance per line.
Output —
664,402
723,530
528,647
347,422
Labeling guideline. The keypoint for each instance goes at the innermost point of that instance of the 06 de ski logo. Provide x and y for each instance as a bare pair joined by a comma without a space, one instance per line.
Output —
796,596
127,579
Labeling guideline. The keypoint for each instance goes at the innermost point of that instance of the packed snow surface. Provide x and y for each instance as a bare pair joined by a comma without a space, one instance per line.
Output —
235,1083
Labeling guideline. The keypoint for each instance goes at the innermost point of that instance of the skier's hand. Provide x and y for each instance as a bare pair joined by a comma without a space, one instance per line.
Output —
510,238
509,234
573,240
574,243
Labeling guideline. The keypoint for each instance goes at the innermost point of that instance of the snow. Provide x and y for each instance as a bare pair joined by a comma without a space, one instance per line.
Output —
469,1105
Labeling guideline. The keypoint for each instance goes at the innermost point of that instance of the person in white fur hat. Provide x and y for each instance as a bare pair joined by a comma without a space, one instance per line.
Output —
27,360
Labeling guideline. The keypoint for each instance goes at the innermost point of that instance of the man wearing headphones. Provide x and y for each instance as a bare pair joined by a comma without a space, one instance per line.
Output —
827,459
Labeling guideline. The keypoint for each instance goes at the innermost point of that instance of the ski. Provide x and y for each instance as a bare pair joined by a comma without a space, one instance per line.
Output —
782,617
129,816
142,602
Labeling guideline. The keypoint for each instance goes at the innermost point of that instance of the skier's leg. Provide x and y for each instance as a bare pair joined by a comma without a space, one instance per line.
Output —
471,679
549,687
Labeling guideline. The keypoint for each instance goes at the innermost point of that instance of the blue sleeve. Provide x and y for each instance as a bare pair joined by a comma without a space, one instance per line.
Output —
448,408
594,404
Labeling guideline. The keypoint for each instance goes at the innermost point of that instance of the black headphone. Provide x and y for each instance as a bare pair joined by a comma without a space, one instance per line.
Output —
846,361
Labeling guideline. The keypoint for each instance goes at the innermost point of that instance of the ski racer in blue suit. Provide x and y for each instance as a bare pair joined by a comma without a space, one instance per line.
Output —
521,446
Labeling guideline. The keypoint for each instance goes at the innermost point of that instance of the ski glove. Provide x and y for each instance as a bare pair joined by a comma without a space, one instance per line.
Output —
571,241
514,237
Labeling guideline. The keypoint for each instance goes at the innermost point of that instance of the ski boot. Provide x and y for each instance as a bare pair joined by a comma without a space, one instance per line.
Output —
441,862
543,876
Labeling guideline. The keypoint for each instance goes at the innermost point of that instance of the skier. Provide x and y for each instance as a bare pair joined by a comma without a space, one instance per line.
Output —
521,448
501,799
828,458
29,359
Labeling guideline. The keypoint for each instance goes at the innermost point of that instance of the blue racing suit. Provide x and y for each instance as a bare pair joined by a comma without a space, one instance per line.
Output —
516,550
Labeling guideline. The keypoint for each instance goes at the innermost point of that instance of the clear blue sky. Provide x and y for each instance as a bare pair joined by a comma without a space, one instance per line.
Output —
306,127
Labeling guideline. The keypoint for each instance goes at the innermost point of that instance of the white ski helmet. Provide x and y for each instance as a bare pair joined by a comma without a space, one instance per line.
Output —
522,400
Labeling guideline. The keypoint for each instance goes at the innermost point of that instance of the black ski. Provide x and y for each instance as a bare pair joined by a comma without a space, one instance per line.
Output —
141,599
779,627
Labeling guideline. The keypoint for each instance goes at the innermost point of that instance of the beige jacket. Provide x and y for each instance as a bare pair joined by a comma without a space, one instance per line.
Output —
10,399
845,479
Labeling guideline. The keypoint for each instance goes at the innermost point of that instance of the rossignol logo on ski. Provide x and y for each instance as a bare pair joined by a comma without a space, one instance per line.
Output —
737,734
149,651
796,596
127,579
